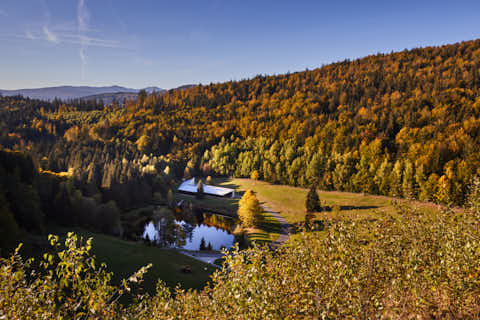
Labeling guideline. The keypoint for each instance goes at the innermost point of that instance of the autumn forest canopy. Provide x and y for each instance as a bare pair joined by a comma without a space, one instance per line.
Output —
405,124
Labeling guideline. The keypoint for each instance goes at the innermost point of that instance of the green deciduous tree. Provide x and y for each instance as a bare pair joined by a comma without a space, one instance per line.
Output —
408,183
421,180
109,218
382,177
396,178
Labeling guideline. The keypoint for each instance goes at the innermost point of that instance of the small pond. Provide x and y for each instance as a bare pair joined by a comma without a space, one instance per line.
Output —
188,232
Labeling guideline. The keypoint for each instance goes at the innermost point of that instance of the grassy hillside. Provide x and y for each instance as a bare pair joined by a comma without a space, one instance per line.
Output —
290,201
414,267
123,258
344,206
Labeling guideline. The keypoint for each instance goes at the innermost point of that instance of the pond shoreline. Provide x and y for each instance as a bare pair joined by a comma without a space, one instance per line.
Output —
224,213
218,205
208,257
191,230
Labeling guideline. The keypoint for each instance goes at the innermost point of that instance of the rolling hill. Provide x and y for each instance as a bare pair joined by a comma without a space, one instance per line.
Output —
71,92
120,97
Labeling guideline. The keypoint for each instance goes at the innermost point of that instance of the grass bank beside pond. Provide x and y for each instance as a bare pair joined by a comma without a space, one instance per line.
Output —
265,233
224,206
123,258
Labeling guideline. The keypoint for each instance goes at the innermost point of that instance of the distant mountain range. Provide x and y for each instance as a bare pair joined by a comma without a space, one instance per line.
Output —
74,92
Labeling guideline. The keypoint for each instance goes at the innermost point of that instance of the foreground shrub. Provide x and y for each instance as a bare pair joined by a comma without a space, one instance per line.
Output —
407,265
67,285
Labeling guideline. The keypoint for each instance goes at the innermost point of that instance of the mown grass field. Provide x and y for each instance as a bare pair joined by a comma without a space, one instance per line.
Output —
290,201
123,258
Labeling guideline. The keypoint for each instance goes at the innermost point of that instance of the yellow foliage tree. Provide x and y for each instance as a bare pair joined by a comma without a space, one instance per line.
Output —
249,210
144,143
444,190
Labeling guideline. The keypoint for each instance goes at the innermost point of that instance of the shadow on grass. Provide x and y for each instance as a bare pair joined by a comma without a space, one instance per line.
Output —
346,208
316,225
271,226
239,194
225,182
260,237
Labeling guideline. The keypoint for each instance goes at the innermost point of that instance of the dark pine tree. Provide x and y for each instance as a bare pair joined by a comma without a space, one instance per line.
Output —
202,245
312,201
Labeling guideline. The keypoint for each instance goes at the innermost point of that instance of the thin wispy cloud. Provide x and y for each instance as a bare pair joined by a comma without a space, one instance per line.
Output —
82,21
62,37
50,36
61,32
29,35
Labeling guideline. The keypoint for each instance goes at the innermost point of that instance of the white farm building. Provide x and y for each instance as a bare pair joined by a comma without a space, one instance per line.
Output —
190,187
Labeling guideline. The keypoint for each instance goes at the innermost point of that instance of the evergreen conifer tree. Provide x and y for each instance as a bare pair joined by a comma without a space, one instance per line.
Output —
312,201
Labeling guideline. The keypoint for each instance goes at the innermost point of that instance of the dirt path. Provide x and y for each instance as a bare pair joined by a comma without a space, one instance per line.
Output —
285,233
207,257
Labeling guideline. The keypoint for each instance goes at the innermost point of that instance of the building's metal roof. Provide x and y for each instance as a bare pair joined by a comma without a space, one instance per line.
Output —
190,186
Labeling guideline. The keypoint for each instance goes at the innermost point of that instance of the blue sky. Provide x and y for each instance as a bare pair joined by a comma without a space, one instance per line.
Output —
170,43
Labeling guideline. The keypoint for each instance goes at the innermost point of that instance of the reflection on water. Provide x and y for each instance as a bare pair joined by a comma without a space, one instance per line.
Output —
188,232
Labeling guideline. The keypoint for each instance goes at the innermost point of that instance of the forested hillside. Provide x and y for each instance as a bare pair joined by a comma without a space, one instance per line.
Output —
30,199
403,124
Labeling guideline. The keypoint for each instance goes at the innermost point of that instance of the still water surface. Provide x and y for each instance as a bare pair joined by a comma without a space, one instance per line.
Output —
188,235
